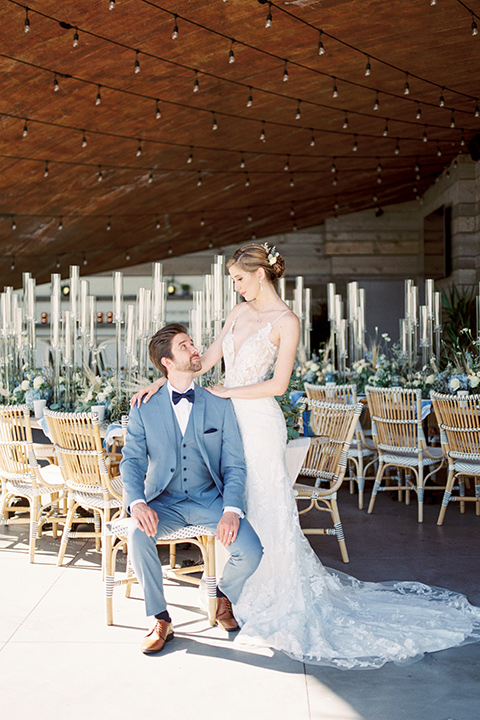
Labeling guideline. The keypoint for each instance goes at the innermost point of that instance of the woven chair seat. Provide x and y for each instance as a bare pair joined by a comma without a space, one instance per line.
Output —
121,527
307,491
94,500
26,490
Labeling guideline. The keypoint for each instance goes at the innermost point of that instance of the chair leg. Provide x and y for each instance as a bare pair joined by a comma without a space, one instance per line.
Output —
446,496
107,548
376,485
361,487
210,578
35,510
461,485
66,530
337,523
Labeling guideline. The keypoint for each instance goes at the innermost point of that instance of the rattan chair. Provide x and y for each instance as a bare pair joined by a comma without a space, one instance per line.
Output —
198,535
459,422
327,462
360,449
397,430
81,458
42,487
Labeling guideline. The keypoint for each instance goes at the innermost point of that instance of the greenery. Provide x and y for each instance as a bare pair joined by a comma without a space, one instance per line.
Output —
292,411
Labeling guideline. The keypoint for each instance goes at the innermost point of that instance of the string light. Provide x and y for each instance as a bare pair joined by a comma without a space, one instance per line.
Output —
292,180
109,225
285,72
158,114
292,210
286,167
26,25
111,5
433,2
250,98
60,224
418,116
85,261
202,221
75,38
199,178
321,49
196,84
231,55
190,157
335,204
98,99
157,223
294,227
474,26
462,139
247,180
214,122
268,21
12,266
127,256
150,177
335,180
355,144
46,171
312,139
298,114
139,148
56,86
137,63
333,167
441,102
84,140
452,120
477,109
345,121
170,251
253,236
368,67
439,152
397,147
406,87
25,129
425,136
175,27
57,263
376,104
263,136
335,89
249,217
242,162
14,224
385,129
100,174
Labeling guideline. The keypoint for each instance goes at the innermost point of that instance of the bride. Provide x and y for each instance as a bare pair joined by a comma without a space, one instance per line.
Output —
292,603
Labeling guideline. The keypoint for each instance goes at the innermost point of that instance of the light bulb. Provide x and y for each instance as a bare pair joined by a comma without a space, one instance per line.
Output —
57,264
137,63
297,114
157,223
202,221
335,89
368,67
60,224
199,180
14,224
27,21
262,134
84,140
312,141
425,137
292,181
196,84
98,99
355,145
109,225
397,147
190,157
150,177
333,168
477,110
345,122
111,5
56,86
12,266
100,174
25,129
452,121
385,129
46,172
321,49
247,181
175,28
439,152
75,39
441,102
85,261
474,26
286,167
158,114
242,162
406,87
139,149
214,122
285,72
127,256
250,99
231,56
376,104
419,113
268,21
249,217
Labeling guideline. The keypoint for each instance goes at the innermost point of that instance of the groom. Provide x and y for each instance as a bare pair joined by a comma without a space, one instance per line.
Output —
183,464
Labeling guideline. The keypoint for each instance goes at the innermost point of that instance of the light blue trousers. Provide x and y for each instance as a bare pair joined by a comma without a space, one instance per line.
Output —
245,553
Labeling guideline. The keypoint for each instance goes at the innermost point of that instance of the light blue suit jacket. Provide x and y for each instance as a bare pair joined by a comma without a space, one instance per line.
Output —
150,452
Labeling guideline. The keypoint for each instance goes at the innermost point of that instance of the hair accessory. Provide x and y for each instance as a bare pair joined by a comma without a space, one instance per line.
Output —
272,254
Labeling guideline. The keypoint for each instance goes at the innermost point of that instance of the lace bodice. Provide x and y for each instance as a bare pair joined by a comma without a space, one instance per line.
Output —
254,359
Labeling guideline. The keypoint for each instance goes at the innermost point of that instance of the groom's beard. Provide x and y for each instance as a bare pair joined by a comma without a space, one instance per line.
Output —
193,365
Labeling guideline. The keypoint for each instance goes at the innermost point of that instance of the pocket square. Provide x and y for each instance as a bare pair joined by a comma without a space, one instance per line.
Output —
210,430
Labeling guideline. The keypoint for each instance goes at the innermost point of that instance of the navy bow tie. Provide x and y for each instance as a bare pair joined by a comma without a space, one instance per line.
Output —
189,395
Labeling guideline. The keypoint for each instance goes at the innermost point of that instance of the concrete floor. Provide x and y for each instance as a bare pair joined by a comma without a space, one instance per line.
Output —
58,658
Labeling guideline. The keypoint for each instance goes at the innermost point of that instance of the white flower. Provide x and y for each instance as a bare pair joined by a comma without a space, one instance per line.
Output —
38,382
430,380
25,385
454,384
474,381
386,337
314,366
3,392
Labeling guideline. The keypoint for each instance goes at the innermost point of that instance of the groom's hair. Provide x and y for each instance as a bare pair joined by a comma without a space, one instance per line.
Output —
161,344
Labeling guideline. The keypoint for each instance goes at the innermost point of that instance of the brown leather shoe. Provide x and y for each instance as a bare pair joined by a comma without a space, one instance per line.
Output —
154,641
225,616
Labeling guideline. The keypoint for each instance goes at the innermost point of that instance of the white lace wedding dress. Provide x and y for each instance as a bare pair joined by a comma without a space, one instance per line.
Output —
292,603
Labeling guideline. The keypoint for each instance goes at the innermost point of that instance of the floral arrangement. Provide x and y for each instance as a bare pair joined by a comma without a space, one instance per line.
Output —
31,384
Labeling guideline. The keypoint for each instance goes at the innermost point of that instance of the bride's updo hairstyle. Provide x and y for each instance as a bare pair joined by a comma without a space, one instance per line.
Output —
252,256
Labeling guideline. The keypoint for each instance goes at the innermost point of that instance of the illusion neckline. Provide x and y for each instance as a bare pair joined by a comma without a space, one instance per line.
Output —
247,339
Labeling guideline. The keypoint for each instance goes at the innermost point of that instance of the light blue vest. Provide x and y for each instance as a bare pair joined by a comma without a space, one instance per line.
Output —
191,479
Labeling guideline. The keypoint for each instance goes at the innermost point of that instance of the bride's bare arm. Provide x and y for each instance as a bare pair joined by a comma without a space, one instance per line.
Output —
209,358
289,333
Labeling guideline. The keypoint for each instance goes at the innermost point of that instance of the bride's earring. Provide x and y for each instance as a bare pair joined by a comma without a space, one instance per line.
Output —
261,286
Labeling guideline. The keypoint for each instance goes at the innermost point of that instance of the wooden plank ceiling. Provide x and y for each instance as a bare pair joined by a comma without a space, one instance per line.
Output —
92,175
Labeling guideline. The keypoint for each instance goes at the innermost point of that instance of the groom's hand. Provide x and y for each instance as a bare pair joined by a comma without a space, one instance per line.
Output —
227,528
146,518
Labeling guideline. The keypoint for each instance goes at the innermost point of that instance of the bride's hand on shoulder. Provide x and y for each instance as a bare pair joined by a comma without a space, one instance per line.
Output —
219,391
146,392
